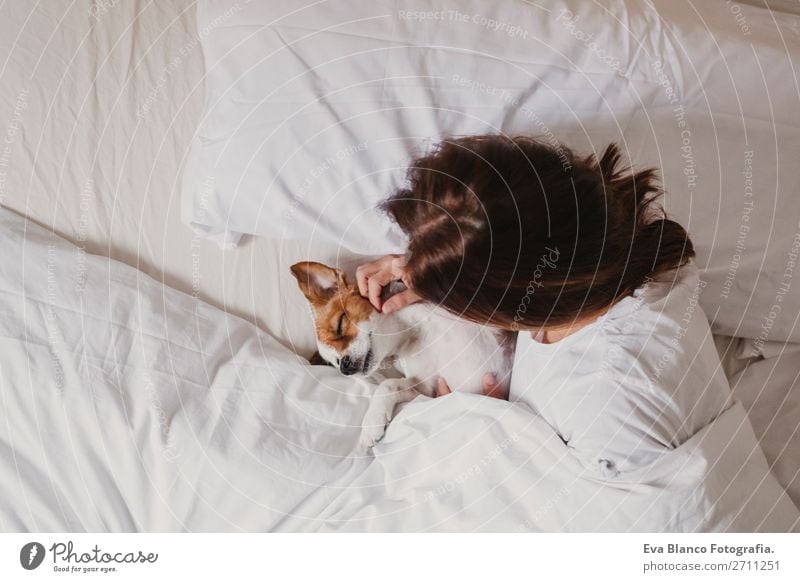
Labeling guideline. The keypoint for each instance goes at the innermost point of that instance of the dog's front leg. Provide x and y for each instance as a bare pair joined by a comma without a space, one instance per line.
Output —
389,394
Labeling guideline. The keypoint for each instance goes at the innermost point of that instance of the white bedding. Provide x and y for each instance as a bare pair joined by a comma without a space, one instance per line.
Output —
315,109
768,387
130,406
101,116
103,105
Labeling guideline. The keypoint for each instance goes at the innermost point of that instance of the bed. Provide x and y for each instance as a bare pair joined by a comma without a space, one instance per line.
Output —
178,397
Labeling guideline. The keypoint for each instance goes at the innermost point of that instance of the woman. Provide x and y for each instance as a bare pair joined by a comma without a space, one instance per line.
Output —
616,354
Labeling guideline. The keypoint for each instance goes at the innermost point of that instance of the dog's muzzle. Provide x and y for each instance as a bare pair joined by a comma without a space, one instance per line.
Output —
348,366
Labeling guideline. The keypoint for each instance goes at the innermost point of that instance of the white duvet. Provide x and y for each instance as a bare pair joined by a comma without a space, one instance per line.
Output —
125,405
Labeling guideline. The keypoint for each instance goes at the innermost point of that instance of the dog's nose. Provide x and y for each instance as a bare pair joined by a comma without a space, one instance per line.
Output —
347,366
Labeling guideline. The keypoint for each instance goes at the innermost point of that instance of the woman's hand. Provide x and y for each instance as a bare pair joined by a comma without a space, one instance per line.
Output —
491,387
373,277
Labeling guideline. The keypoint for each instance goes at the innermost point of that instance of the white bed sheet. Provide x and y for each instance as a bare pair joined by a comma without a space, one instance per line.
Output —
100,108
768,386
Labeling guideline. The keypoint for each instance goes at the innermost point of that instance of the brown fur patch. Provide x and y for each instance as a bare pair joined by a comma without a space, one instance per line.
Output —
333,300
351,308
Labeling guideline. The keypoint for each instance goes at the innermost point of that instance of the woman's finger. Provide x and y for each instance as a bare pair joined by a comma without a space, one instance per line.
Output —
368,270
375,285
398,266
492,388
442,389
400,300
363,273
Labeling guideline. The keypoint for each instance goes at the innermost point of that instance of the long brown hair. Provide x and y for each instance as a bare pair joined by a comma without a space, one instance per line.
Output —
513,233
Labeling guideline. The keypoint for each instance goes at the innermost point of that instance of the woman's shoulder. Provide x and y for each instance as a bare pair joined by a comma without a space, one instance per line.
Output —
661,317
658,302
671,283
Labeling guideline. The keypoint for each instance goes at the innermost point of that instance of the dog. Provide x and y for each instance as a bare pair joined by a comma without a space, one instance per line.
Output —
421,341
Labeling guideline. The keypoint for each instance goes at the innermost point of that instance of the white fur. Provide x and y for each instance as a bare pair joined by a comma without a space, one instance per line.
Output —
423,343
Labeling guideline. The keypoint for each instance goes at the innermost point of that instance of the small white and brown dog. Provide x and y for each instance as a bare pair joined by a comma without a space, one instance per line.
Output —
421,341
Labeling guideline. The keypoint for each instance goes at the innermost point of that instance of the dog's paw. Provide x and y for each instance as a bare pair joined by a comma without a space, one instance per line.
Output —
370,435
372,430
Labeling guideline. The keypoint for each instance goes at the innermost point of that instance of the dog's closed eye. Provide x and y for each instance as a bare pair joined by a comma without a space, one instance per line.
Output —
340,324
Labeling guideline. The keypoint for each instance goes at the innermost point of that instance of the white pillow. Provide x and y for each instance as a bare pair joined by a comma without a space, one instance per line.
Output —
314,114
315,109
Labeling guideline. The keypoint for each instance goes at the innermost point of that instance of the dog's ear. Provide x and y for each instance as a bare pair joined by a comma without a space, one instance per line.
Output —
318,282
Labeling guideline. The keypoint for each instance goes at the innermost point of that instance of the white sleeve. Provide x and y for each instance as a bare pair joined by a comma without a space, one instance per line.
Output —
619,426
